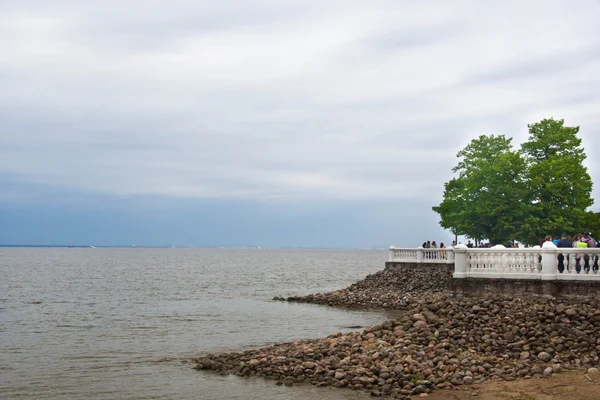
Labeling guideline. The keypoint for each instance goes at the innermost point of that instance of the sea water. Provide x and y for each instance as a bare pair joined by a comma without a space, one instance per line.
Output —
126,323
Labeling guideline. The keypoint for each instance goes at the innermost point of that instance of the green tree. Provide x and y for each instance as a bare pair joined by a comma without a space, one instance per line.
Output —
485,200
559,186
591,224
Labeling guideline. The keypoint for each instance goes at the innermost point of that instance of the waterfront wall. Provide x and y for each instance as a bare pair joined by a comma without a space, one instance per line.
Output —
441,275
422,271
546,263
524,287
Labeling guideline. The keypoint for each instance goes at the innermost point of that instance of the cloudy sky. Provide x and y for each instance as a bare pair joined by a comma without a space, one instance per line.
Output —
271,122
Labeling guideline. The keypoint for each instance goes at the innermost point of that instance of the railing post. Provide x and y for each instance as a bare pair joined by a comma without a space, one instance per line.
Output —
391,253
419,255
503,259
549,267
460,261
450,255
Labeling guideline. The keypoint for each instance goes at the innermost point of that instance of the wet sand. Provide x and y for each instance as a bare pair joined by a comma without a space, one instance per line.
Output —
572,385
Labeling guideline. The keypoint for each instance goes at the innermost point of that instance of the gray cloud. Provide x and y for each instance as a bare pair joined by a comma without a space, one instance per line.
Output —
281,100
542,67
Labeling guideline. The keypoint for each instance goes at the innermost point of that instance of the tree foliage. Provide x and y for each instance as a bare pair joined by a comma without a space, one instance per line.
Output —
501,193
591,224
560,186
484,200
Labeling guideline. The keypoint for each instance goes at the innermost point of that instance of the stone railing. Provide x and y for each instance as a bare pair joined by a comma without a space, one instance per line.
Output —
421,255
546,263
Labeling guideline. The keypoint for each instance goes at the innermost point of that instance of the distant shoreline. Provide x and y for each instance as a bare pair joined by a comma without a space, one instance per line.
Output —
43,246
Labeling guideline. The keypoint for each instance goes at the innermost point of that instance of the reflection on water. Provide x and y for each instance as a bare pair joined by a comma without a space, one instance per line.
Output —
122,323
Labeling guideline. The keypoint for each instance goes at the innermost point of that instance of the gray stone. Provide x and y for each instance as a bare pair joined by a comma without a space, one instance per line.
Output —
544,356
420,324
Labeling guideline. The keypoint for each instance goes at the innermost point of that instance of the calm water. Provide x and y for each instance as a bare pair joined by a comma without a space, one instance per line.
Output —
122,323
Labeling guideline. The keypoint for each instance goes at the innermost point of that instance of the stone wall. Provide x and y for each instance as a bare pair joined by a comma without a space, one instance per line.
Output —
523,287
422,272
442,273
402,284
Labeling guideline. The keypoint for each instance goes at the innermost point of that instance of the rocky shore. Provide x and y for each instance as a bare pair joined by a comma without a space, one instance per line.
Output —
442,341
440,344
397,288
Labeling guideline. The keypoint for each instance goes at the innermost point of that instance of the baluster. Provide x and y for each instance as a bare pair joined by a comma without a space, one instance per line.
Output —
573,264
509,264
518,265
531,257
525,260
498,262
504,261
514,262
521,264
538,262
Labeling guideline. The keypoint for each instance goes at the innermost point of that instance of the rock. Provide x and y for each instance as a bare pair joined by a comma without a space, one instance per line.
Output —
420,324
434,307
548,371
340,375
556,368
544,356
593,374
571,312
418,317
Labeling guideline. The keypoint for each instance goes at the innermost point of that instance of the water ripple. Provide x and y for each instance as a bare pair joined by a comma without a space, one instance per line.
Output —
108,323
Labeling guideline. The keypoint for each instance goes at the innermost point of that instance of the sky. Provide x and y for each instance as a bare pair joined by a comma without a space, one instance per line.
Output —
271,123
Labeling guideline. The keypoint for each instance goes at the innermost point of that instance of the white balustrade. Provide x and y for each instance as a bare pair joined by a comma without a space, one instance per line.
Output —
503,263
421,255
509,263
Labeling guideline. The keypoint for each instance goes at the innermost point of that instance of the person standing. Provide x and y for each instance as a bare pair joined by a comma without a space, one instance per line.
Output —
592,260
580,244
563,243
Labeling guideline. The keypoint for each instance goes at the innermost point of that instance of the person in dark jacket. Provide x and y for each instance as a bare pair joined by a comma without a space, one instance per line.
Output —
563,243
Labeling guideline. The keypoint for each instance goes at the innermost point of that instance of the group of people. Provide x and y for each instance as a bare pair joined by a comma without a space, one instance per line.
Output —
433,245
579,241
481,245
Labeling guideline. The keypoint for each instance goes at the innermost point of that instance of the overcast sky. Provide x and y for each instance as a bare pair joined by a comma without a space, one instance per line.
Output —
271,122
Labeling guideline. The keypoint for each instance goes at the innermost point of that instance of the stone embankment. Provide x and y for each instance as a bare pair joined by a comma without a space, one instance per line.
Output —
441,342
395,287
